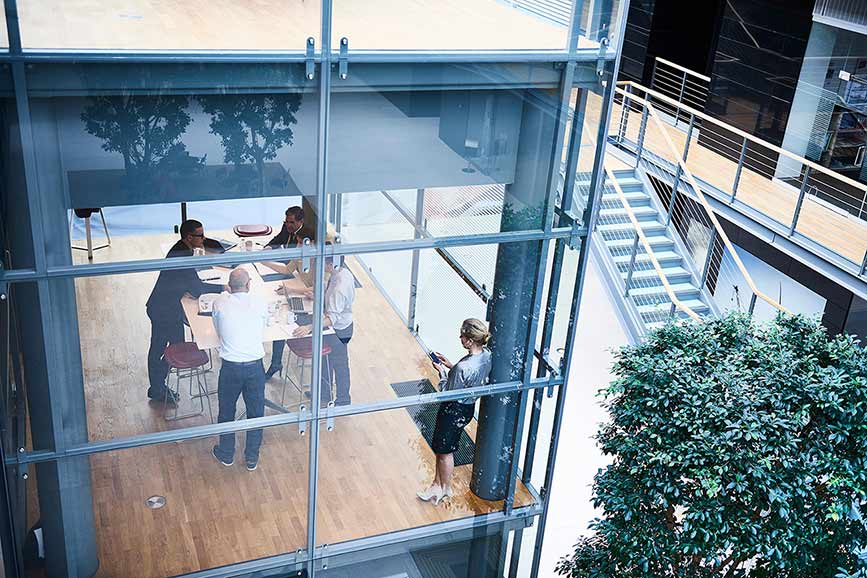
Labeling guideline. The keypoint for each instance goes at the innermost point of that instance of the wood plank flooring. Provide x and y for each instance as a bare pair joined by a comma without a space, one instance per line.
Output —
278,25
370,465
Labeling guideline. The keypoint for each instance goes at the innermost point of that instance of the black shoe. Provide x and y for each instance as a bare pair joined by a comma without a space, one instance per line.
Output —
272,371
252,465
164,395
219,459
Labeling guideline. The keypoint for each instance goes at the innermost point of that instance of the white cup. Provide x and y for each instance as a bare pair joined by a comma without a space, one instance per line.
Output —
198,252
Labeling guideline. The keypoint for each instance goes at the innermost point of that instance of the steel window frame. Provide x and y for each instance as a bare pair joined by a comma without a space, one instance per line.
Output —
17,58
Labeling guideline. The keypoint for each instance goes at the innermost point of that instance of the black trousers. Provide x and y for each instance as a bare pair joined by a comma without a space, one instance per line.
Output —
164,332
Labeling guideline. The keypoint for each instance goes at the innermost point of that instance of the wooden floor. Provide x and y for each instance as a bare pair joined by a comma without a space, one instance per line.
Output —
281,25
833,229
370,465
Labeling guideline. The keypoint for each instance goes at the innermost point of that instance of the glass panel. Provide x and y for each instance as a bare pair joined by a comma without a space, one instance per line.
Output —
15,233
4,33
128,335
451,25
476,553
167,509
194,25
371,351
149,145
476,140
586,105
385,458
23,367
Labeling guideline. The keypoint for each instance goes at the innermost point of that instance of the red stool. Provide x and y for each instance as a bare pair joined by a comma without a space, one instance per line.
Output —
303,350
186,360
252,230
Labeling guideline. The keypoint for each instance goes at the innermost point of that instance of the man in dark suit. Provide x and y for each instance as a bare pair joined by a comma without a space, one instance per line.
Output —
293,231
165,311
291,234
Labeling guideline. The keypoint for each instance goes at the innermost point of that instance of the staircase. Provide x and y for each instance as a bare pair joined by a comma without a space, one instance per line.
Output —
633,280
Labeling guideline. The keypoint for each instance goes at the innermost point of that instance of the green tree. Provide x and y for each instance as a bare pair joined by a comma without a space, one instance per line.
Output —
146,130
252,127
737,449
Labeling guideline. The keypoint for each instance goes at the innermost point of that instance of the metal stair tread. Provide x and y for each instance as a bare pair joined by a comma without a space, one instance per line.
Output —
640,211
645,257
678,288
670,273
696,305
654,240
614,227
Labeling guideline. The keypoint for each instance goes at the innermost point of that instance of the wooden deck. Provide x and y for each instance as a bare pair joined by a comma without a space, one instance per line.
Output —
370,465
830,227
278,25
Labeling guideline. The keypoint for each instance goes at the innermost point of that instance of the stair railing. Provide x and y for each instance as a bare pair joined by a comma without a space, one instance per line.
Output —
751,165
649,113
642,238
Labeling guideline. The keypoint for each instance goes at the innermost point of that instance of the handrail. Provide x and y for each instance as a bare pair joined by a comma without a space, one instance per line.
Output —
685,107
710,213
682,69
648,249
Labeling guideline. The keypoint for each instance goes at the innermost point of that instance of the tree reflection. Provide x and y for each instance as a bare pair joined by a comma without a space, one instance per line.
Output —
253,128
146,130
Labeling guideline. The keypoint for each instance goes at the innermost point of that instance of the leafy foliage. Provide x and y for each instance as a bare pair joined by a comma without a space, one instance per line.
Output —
146,130
738,450
253,127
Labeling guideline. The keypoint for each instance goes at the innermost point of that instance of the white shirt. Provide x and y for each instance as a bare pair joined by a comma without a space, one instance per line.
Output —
239,319
339,297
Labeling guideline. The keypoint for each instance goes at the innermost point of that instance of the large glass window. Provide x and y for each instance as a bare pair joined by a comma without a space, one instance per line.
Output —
361,226
441,150
128,152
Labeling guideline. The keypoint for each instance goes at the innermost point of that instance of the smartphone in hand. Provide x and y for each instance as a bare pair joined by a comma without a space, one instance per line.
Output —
434,357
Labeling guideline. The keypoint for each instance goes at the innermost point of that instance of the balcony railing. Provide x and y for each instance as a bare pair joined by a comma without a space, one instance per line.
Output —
794,196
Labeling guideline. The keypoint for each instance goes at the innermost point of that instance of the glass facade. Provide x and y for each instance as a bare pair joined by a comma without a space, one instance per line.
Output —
371,195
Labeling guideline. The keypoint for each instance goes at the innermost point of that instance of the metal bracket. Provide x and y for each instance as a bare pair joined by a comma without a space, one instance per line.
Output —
309,71
329,417
302,425
342,60
305,261
600,56
324,556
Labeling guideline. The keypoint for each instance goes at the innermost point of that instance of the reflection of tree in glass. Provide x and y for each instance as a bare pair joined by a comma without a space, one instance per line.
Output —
145,130
253,127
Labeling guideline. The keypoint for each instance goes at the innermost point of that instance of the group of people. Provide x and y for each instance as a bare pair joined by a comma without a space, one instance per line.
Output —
240,319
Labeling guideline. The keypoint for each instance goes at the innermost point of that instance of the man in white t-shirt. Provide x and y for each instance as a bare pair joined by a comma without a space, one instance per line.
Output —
240,319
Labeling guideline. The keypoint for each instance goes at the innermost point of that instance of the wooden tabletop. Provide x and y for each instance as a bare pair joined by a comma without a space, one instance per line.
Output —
202,326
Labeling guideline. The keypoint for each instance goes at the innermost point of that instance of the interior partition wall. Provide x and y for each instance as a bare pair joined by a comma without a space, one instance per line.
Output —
430,165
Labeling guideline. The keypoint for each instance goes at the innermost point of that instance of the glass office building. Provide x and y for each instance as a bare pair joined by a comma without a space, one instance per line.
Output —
442,152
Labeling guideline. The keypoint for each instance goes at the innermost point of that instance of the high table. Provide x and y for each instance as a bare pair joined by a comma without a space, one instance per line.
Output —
281,325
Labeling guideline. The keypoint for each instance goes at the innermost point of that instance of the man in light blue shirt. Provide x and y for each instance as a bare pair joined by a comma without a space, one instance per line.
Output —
339,297
240,319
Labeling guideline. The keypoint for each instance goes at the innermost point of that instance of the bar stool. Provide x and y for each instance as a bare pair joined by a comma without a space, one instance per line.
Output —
303,350
186,360
86,214
252,230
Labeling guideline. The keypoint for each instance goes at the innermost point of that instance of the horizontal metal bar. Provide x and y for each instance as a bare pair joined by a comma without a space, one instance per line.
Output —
682,69
298,55
342,249
32,56
272,421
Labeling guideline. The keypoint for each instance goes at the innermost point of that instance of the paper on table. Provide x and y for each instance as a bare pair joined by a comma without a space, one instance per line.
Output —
216,276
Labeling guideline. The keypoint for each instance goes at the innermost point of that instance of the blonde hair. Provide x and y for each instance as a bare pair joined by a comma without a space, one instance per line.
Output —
475,331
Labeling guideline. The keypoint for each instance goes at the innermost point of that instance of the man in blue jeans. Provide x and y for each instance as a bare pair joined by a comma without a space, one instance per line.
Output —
240,319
